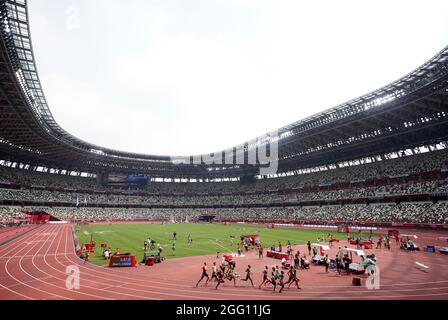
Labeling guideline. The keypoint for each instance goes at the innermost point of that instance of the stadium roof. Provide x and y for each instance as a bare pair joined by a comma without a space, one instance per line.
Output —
410,112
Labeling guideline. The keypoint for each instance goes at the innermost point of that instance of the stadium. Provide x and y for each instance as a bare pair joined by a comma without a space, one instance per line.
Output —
356,206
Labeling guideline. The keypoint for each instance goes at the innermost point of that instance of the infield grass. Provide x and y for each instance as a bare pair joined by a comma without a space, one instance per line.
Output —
207,238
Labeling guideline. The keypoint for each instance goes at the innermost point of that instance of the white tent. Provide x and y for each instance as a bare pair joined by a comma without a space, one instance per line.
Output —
323,246
409,236
356,251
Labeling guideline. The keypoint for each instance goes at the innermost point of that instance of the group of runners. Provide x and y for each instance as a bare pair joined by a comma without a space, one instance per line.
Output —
275,276
219,274
226,271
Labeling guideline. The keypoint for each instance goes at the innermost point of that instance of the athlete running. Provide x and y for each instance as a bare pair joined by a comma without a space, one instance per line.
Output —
265,277
204,275
248,275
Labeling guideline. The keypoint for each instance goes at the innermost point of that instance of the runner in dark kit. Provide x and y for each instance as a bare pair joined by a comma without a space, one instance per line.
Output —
231,276
248,276
280,278
214,272
293,278
265,277
219,278
290,277
273,280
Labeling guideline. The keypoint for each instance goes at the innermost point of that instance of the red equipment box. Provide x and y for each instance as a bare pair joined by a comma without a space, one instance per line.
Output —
150,261
277,255
367,245
254,239
356,281
89,248
393,233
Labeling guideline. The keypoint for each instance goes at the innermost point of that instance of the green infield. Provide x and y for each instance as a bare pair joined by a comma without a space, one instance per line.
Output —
207,238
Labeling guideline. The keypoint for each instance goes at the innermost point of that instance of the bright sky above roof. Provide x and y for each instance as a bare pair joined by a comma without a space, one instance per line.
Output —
175,77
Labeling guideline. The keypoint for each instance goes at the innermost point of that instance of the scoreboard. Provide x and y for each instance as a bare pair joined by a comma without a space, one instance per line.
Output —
135,181
122,261
343,229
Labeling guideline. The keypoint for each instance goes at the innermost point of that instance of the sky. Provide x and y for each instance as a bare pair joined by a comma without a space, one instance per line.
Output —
178,78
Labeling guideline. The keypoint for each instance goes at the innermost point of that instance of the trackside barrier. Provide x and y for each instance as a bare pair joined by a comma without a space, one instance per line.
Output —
312,224
335,227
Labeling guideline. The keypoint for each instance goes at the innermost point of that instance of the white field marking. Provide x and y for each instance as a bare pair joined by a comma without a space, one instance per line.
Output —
227,249
30,256
208,236
105,231
34,241
28,282
192,249
115,286
214,234
421,267
86,232
63,265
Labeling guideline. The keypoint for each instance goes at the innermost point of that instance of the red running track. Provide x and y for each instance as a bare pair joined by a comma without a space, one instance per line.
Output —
9,233
33,266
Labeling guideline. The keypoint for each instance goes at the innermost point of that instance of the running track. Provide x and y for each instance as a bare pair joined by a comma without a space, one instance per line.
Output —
33,266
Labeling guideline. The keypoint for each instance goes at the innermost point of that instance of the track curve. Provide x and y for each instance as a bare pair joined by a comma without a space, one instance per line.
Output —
34,266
